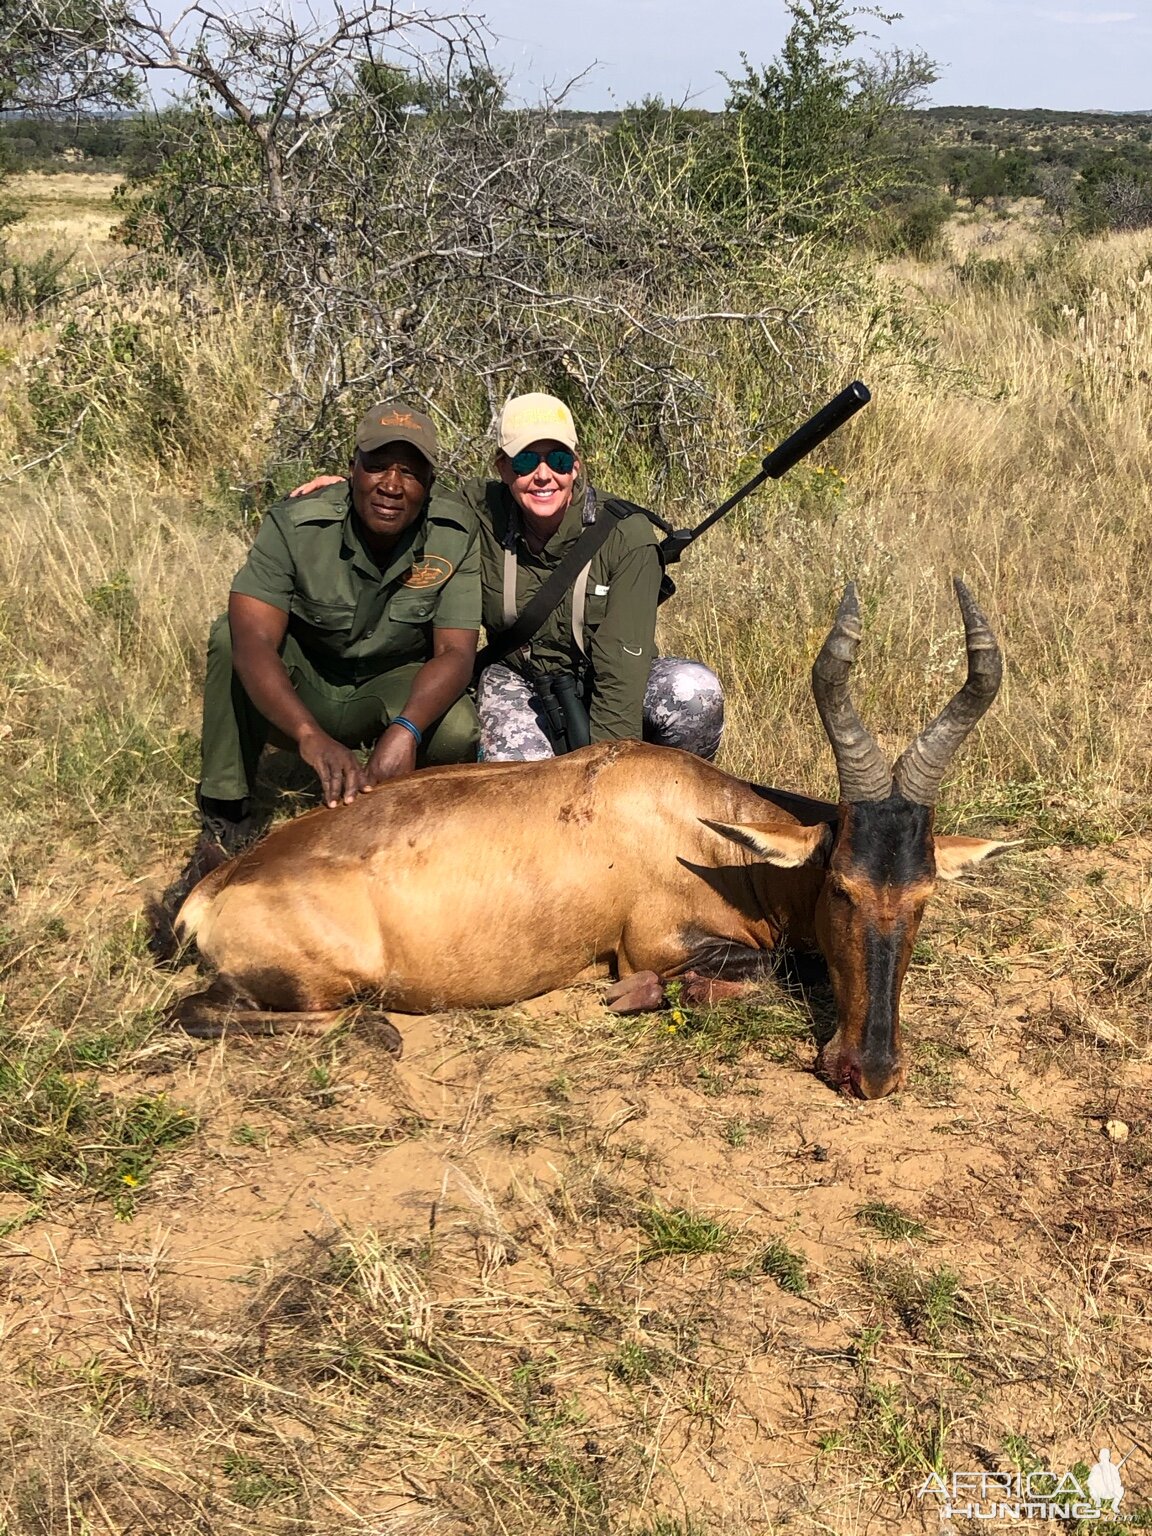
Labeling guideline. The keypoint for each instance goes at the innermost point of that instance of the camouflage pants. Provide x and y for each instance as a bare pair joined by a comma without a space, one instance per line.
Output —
683,707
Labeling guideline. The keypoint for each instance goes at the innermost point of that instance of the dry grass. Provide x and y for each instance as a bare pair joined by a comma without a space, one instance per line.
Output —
556,1273
72,211
1020,461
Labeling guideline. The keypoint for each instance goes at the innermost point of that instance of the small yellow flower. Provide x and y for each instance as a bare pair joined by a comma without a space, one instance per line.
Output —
130,1179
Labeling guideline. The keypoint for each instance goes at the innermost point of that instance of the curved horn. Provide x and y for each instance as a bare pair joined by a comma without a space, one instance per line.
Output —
922,767
864,774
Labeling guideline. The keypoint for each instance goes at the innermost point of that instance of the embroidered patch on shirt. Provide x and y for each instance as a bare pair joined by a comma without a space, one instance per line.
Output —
432,571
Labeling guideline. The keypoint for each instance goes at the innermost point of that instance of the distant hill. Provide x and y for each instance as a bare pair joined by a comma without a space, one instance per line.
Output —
1040,133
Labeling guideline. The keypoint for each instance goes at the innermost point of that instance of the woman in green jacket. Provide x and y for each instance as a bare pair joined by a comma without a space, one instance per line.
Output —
597,644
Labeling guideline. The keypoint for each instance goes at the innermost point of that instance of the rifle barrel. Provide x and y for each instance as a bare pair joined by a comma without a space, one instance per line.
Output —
806,437
814,431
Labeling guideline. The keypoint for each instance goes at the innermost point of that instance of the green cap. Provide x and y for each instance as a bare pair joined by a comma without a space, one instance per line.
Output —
390,422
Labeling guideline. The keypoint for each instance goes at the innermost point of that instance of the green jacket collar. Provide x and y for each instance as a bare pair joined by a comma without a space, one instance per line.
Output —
403,552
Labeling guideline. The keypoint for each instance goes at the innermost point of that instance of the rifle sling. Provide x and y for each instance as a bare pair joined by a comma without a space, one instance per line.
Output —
545,601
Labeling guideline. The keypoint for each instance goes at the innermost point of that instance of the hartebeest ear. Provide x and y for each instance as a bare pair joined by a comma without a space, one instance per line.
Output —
785,847
955,855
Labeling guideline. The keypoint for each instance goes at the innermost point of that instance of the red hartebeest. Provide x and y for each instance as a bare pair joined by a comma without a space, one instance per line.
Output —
468,887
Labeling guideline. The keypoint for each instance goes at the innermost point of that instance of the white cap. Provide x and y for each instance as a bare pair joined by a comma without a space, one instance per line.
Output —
534,419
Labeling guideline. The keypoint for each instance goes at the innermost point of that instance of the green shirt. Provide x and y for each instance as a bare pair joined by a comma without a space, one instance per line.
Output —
352,619
618,613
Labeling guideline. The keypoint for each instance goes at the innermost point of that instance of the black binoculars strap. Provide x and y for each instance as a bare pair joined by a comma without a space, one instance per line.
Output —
552,593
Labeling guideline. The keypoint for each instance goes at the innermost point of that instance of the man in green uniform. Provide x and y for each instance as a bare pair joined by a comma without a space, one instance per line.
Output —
352,623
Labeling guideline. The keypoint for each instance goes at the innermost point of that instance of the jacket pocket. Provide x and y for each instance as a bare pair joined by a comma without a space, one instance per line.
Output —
595,608
408,607
326,618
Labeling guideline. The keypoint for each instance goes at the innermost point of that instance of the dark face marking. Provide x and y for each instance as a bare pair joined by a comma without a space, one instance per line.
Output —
884,958
880,876
887,843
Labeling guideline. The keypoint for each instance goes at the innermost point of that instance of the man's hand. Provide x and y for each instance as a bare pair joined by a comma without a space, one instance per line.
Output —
338,767
317,484
393,754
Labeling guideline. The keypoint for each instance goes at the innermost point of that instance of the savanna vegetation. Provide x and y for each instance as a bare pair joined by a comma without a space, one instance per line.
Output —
557,1272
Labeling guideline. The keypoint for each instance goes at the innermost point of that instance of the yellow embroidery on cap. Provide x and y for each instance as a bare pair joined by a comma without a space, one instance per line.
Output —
398,419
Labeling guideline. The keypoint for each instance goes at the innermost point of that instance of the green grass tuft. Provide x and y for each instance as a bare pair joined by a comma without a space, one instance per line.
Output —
634,1363
898,1439
891,1224
928,1303
60,1133
680,1231
786,1267
254,1485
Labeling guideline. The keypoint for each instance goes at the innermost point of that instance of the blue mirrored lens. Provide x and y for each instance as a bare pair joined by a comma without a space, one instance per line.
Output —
559,460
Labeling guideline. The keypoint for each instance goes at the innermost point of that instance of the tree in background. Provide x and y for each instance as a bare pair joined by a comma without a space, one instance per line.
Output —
1056,185
60,56
1114,189
479,90
815,136
398,92
55,59
277,73
417,236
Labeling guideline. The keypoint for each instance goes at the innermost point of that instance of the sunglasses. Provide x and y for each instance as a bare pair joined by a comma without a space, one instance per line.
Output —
560,460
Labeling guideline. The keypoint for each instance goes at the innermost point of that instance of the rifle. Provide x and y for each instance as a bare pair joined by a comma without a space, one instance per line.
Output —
801,442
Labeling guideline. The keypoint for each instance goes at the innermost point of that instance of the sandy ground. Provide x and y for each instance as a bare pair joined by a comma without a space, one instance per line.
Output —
508,1162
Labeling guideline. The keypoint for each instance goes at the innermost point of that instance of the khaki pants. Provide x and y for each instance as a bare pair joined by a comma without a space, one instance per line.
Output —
235,733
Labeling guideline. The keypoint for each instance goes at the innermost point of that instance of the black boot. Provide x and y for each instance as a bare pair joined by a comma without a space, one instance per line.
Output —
228,823
226,829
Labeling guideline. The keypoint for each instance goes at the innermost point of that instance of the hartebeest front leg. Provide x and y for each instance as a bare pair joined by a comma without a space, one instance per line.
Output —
715,974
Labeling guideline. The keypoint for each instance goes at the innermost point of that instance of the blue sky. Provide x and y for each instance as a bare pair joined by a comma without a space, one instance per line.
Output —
1070,54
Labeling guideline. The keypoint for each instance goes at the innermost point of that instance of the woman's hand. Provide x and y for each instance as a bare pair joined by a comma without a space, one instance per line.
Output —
317,484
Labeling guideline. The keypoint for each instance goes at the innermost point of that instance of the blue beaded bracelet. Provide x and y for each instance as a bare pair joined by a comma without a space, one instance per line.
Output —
408,726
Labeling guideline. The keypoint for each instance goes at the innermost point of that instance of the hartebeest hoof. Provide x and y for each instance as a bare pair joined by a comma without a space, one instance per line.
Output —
640,993
378,1031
